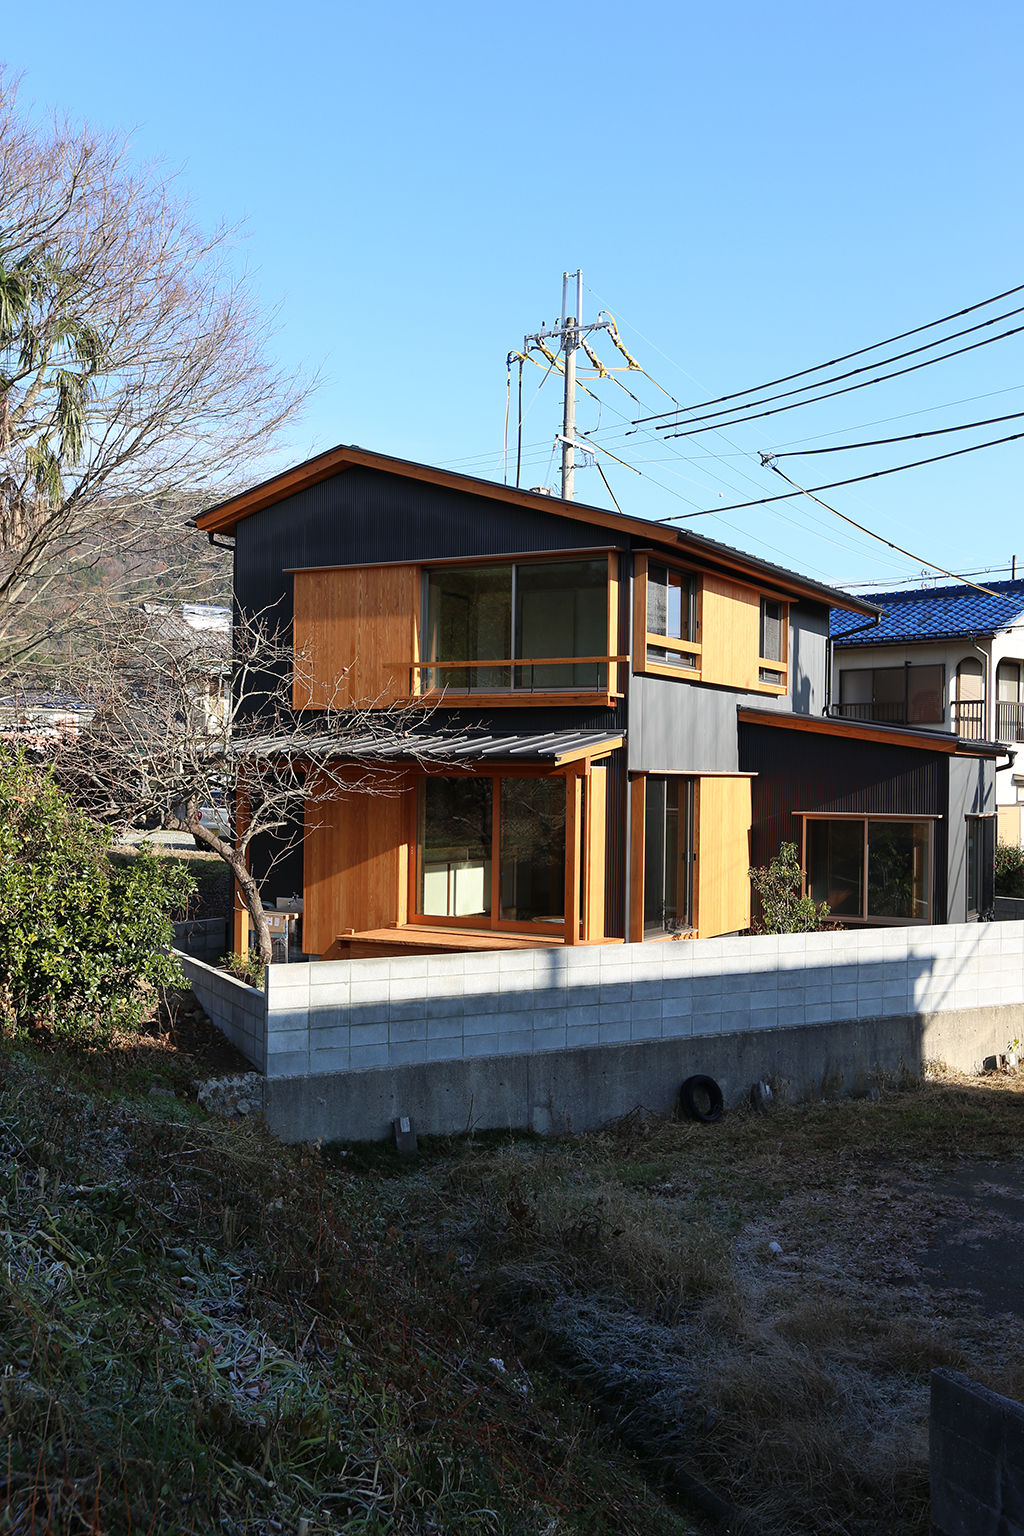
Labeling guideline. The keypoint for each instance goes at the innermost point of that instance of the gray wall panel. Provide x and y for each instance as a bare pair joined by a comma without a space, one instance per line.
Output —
808,641
972,792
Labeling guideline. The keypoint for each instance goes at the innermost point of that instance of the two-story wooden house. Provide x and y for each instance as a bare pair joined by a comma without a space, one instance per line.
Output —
589,678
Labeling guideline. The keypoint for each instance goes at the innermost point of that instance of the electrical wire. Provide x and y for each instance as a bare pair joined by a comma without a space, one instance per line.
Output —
831,394
883,442
846,356
929,563
835,484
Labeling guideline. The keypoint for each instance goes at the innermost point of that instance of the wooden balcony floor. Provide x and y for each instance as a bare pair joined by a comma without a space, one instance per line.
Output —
422,939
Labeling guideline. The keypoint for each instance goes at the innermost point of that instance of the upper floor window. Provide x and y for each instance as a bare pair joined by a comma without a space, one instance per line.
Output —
672,612
539,625
1009,709
969,705
772,640
908,695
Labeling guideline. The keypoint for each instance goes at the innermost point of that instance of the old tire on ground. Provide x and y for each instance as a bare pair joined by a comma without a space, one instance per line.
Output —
700,1098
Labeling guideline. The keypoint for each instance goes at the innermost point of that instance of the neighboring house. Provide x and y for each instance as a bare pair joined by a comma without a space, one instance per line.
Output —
200,634
39,712
620,713
943,658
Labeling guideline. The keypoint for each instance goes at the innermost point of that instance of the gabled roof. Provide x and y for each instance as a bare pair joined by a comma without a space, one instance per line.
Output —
225,517
935,613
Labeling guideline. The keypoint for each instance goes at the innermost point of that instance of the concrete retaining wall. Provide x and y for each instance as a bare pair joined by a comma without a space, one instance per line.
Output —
976,1456
523,1036
239,1011
207,938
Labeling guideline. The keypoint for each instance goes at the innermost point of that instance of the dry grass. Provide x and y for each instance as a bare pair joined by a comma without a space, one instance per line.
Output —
796,1385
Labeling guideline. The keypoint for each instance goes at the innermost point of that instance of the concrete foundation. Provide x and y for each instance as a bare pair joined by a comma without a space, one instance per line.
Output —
582,1089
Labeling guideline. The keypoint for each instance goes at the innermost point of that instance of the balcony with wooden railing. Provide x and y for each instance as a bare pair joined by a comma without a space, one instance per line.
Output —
518,679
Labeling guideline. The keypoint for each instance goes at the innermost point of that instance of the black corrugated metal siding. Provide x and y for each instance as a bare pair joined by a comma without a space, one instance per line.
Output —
615,848
802,771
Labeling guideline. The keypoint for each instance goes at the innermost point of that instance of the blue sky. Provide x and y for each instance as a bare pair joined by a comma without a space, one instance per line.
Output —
749,189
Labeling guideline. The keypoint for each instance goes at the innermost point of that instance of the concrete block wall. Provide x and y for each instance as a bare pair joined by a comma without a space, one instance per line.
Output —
359,1015
976,1459
239,1011
206,938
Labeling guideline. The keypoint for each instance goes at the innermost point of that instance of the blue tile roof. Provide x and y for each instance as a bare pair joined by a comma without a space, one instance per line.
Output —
933,613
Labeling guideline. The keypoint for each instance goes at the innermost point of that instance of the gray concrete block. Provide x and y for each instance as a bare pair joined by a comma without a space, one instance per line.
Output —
404,1030
480,1045
444,1029
364,1056
369,1034
403,1052
288,1064
444,1050
332,1058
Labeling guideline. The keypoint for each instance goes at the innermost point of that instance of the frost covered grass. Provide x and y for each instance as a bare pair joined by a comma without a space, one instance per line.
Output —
203,1331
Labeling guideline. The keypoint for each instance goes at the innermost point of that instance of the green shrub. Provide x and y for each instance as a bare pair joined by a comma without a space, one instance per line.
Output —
82,942
1009,870
783,909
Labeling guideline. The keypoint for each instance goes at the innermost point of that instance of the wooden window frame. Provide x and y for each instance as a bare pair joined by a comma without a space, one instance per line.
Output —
769,663
512,697
845,919
585,830
643,639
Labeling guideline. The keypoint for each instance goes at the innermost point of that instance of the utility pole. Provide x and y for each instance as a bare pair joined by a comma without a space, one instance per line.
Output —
569,333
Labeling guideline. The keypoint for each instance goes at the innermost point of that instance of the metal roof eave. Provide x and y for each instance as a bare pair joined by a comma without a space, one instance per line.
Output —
856,730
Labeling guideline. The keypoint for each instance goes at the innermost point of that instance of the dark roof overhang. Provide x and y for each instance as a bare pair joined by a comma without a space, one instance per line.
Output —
226,515
856,730
553,749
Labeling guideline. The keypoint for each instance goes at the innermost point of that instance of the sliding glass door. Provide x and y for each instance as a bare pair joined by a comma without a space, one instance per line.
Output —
490,851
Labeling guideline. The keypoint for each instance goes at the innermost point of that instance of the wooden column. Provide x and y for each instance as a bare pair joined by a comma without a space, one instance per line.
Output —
573,806
240,925
596,836
637,830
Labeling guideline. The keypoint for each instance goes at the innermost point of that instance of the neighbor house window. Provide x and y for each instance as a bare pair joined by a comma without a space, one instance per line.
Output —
672,612
668,856
456,873
870,868
969,710
908,695
772,641
530,619
1009,714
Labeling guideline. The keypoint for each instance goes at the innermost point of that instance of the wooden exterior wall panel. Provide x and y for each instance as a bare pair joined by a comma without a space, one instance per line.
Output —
730,633
355,635
356,866
722,886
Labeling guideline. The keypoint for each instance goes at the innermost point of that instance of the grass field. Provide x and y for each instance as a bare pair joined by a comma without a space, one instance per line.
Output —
201,1330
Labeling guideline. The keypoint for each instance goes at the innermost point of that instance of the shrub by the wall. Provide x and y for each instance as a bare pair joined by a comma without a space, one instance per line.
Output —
82,943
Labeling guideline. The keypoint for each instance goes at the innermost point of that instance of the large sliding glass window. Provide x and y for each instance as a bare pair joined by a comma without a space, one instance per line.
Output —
909,695
534,616
455,872
668,856
870,868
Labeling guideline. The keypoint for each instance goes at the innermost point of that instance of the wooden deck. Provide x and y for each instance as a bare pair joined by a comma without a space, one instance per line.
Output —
422,939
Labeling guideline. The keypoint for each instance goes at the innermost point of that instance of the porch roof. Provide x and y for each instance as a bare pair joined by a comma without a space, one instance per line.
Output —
553,747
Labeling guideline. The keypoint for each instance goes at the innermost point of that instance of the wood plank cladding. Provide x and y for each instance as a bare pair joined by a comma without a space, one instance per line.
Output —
356,635
356,866
730,633
597,838
722,885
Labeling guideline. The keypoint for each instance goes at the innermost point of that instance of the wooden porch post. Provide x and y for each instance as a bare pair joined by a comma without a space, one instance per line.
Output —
573,804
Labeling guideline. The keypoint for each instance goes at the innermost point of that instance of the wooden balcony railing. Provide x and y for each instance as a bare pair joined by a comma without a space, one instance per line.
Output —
518,674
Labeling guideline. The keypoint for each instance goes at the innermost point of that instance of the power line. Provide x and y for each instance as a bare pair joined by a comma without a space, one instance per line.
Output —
930,563
846,356
883,442
881,378
835,484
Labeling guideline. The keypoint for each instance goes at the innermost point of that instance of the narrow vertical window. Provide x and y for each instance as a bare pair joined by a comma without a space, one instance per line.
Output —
772,641
668,857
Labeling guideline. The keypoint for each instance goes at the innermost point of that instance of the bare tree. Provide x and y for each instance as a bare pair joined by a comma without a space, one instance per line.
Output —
135,370
186,719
